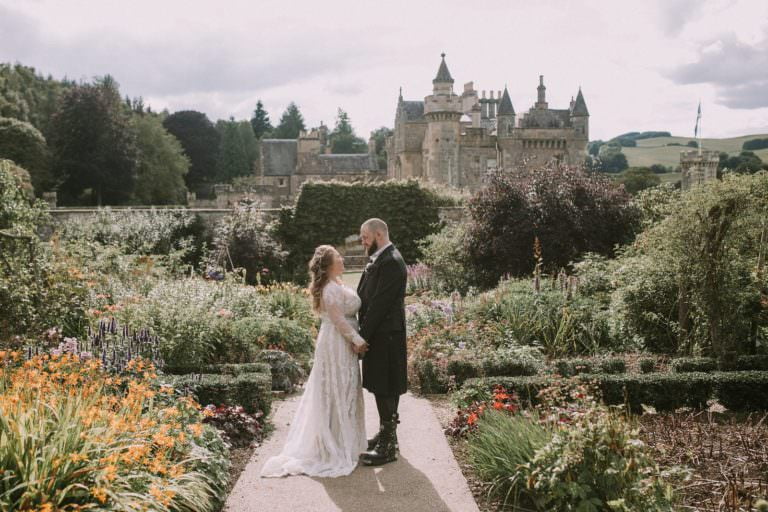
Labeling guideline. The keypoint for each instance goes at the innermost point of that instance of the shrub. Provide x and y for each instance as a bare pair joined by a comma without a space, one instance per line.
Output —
694,364
663,391
509,363
570,211
742,391
597,462
410,211
244,239
614,365
571,367
238,428
25,145
746,363
219,369
500,446
252,391
647,365
73,438
429,376
286,372
447,256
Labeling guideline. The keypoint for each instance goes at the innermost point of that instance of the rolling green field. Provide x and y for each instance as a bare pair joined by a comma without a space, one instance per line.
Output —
656,151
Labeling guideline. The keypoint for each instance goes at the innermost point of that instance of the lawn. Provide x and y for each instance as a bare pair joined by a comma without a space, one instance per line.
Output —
656,150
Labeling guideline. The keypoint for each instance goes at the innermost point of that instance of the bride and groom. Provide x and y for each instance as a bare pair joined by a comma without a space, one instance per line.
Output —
327,435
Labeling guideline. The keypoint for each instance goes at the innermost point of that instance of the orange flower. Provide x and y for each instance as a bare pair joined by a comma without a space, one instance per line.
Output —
472,419
498,405
100,494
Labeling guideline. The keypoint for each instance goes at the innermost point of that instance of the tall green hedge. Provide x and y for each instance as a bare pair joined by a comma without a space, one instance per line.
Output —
328,212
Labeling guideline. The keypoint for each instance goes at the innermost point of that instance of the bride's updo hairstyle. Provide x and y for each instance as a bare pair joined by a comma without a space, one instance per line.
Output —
319,265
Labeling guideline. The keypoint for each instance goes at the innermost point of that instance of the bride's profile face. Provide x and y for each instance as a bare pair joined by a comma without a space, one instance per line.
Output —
337,268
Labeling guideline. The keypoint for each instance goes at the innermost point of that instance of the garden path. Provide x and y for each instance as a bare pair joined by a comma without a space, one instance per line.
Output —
426,476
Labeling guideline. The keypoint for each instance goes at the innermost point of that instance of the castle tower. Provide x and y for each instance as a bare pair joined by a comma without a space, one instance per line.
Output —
698,167
506,115
541,102
580,115
442,111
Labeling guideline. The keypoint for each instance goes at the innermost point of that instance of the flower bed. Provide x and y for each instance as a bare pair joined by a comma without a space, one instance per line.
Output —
73,436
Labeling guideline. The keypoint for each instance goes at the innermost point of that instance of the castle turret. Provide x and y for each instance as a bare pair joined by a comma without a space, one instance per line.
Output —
506,115
541,103
443,82
580,115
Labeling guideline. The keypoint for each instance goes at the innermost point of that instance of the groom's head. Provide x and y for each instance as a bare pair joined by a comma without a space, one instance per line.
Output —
374,233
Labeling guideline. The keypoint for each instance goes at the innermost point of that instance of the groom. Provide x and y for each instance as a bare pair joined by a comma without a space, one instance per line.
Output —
382,326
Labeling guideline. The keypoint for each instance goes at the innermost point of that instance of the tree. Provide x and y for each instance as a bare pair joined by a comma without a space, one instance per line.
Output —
379,136
343,139
93,145
26,146
233,156
162,163
746,162
250,144
291,123
611,158
28,96
200,141
568,210
636,179
260,121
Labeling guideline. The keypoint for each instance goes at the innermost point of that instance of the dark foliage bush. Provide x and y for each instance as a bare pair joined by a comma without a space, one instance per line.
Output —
738,391
569,210
252,391
755,144
571,367
411,212
430,377
219,369
647,365
694,364
286,371
613,365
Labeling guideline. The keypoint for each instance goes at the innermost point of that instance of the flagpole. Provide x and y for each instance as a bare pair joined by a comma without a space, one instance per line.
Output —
699,127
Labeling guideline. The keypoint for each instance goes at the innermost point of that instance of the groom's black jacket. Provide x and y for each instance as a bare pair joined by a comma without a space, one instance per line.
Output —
382,324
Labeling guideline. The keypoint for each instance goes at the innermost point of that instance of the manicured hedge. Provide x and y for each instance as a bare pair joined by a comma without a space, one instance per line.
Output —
709,364
571,367
286,371
694,364
219,369
410,211
737,391
253,391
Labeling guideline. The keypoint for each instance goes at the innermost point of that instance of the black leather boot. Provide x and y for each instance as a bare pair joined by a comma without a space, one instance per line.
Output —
384,451
375,439
372,442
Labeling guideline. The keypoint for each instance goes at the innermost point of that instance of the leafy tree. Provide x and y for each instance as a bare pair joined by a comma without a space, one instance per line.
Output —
745,162
162,164
260,121
593,148
235,159
343,139
26,146
755,144
611,159
291,123
380,140
636,179
570,211
250,144
659,169
28,96
200,141
94,146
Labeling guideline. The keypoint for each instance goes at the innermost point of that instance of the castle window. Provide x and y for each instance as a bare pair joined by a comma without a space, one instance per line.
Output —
281,182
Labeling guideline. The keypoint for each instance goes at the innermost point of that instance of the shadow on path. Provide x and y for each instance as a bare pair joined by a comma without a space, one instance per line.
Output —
397,486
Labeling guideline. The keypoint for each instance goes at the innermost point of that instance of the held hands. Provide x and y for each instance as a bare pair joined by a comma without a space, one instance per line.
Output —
360,349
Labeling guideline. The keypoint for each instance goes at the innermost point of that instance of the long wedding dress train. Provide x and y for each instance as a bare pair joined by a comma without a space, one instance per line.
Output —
327,433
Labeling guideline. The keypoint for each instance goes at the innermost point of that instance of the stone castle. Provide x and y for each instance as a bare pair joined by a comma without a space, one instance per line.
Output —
456,140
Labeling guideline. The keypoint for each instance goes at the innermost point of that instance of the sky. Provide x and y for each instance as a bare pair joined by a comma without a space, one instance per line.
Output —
641,64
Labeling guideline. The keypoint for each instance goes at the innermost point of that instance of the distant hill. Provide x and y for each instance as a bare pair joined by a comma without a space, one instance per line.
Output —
656,150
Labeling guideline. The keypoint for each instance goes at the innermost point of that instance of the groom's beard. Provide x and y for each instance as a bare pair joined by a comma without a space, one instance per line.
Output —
372,249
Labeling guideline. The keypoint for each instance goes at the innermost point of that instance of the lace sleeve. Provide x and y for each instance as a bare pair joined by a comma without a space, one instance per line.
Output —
333,304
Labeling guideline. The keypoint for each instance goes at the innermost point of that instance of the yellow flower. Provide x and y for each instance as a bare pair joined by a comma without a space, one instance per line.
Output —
197,429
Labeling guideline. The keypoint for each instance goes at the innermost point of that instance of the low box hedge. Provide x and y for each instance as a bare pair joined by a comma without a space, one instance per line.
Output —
710,364
694,364
219,369
253,391
737,391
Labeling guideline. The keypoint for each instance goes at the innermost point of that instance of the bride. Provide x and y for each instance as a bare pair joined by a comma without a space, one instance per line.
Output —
327,433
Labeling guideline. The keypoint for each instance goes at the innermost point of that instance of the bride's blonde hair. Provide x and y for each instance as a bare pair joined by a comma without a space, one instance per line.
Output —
318,273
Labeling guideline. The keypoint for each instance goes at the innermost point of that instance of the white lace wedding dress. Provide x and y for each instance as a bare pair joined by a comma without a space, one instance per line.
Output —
327,433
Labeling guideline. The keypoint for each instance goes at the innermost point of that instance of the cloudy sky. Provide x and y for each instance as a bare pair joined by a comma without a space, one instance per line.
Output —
642,65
